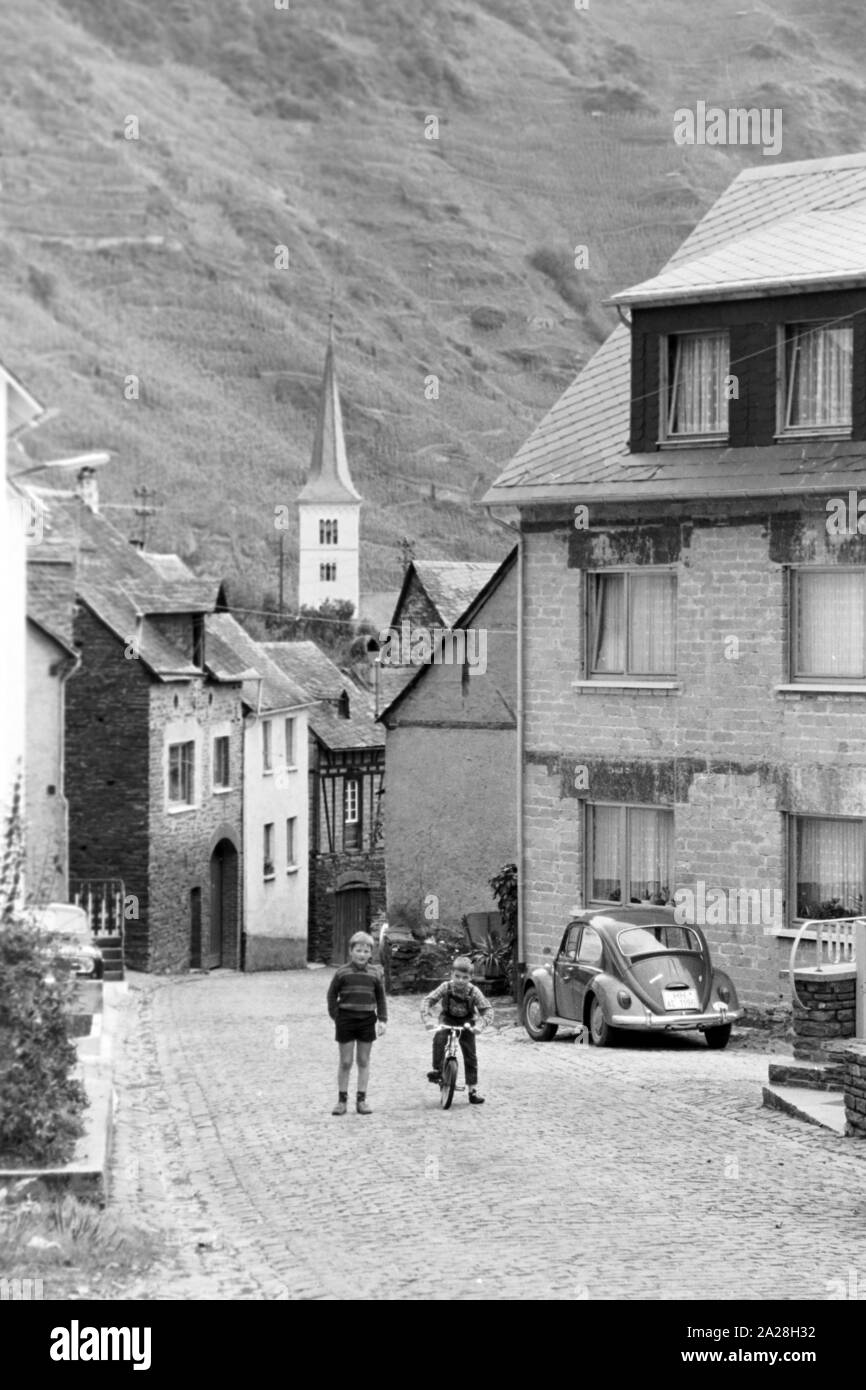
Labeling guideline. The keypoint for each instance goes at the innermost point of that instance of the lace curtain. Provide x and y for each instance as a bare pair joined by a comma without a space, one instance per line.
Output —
697,402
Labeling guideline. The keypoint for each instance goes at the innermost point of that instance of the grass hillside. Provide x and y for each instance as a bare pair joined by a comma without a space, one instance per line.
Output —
304,128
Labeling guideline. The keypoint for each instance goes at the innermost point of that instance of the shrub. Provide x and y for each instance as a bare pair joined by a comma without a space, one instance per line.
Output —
41,1104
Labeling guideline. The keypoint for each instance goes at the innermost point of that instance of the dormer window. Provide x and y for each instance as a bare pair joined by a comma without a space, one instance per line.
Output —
695,369
815,378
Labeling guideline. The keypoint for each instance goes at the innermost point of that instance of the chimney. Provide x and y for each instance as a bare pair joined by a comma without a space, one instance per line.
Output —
88,487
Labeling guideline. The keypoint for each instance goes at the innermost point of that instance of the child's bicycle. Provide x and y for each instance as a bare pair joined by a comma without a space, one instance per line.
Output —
450,1061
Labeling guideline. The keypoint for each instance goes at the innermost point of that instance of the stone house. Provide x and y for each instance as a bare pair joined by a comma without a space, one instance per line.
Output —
693,645
451,758
275,797
152,735
51,659
346,772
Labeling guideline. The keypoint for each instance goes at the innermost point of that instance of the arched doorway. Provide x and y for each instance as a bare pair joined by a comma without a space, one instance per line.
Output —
351,914
221,946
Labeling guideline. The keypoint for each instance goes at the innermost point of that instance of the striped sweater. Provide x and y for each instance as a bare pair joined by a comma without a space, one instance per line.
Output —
358,989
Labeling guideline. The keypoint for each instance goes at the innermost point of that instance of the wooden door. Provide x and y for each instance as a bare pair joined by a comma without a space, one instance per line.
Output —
195,927
211,955
351,914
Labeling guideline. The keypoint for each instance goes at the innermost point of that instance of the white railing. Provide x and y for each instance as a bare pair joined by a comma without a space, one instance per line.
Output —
839,941
102,899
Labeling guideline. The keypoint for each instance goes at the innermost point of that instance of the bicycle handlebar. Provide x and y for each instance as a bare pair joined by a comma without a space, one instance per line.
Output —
455,1028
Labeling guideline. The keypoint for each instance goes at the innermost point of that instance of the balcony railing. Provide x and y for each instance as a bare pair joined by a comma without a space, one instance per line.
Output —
839,942
102,900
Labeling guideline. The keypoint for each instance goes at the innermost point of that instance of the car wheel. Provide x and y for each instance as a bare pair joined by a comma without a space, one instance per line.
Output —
533,1018
717,1038
600,1031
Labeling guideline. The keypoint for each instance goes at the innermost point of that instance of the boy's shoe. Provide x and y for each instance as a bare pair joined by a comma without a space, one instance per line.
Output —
363,1108
475,1099
339,1108
434,1077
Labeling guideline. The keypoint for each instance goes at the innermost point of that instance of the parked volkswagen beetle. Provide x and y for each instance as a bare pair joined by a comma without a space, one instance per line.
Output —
632,969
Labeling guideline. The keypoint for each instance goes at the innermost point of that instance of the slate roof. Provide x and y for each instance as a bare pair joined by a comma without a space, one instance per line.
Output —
51,592
232,654
400,678
329,479
451,585
579,451
308,667
117,582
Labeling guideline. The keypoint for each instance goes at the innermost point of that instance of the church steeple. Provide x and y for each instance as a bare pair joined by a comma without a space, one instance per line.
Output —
329,506
329,479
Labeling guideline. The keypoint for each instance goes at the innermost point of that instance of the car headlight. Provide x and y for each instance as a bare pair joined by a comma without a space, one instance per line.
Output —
724,994
623,998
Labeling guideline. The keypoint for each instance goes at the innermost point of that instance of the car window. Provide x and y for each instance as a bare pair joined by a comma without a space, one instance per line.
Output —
569,950
591,950
661,936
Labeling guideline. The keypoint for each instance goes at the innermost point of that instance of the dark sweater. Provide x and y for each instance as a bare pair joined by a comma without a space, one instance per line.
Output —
358,989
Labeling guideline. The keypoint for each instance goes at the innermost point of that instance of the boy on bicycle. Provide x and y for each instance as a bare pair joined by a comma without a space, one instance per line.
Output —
459,1002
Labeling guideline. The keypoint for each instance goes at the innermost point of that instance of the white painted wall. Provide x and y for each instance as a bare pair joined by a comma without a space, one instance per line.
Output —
47,813
311,554
13,607
276,908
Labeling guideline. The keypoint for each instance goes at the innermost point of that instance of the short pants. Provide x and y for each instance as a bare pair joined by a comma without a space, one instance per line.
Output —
355,1027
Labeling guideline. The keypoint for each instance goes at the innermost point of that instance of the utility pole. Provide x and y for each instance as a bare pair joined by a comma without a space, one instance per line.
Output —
280,576
143,510
407,552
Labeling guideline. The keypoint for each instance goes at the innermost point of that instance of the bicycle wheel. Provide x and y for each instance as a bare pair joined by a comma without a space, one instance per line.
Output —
448,1082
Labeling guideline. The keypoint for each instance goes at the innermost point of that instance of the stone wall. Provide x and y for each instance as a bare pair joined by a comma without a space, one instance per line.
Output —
326,873
826,1013
854,1059
182,841
106,762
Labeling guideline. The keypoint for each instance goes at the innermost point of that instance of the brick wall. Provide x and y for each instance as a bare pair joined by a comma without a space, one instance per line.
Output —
106,771
824,1010
728,753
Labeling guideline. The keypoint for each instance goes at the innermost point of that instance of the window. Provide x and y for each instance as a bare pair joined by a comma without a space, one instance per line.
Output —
630,854
198,640
267,746
268,855
695,397
591,950
181,774
569,950
631,623
828,862
829,624
328,532
290,743
351,815
815,377
291,826
327,573
221,762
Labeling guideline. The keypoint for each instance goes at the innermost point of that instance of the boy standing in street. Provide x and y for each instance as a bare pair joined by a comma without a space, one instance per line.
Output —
356,1003
459,1002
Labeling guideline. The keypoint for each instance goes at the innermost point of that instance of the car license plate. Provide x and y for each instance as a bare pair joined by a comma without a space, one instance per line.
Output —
680,999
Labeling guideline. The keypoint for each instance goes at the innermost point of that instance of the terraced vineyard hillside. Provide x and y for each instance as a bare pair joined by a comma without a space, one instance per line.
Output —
155,157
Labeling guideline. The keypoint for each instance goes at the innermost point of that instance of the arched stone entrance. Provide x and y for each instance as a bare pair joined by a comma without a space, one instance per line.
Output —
221,944
351,914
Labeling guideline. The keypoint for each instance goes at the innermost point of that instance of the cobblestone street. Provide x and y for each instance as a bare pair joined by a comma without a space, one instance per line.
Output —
644,1171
